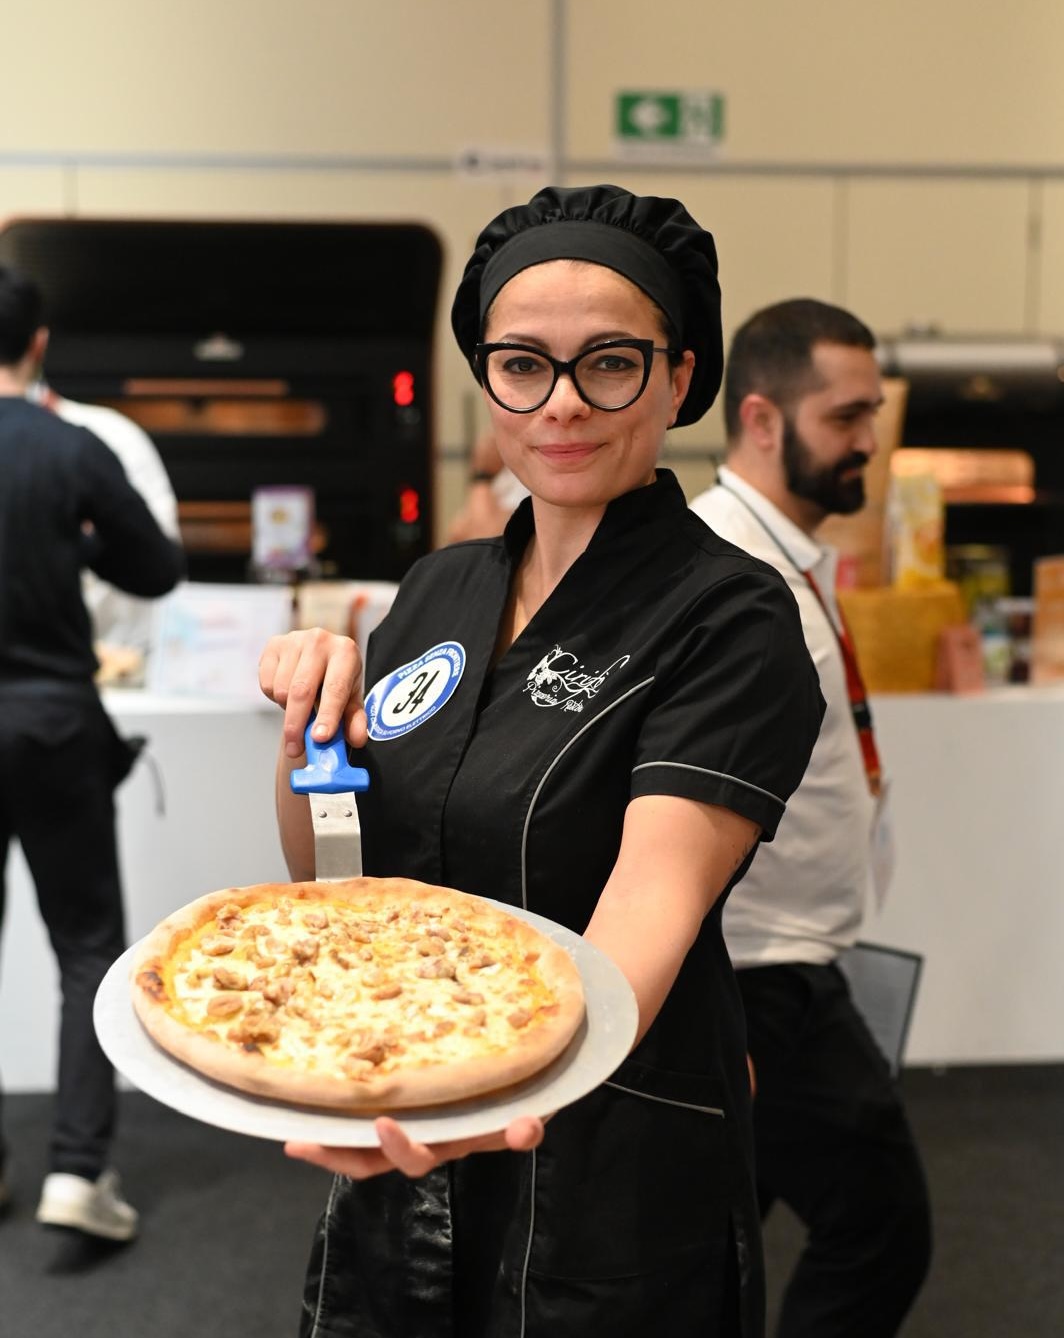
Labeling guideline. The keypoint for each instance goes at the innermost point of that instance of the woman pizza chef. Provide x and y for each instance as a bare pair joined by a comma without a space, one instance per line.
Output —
618,708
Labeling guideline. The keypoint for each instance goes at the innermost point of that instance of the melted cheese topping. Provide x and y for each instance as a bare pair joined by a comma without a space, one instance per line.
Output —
349,992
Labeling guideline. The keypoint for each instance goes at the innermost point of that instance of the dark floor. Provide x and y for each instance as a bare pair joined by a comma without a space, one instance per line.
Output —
993,1146
226,1222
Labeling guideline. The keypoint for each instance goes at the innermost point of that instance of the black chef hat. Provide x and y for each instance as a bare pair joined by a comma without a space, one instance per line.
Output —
652,241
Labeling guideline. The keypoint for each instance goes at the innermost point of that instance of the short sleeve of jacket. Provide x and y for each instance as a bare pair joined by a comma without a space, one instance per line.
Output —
736,704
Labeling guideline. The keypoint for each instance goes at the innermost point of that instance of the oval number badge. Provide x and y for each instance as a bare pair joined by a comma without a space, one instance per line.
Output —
407,697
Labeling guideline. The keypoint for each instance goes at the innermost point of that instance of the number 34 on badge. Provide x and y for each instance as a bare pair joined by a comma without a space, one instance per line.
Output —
413,693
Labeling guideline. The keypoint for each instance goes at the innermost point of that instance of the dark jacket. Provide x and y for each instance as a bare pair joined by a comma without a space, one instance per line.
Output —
66,504
666,662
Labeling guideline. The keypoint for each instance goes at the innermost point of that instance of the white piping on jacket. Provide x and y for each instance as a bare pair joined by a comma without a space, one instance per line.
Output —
528,1245
524,903
546,775
665,1100
707,1110
721,775
325,1252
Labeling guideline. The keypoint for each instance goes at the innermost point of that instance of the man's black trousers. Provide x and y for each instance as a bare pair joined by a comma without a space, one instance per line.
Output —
60,759
833,1143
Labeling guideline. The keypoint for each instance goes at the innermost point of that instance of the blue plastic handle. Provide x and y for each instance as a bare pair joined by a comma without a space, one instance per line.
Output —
327,770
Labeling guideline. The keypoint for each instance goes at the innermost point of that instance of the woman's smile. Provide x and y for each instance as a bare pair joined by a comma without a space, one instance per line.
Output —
564,452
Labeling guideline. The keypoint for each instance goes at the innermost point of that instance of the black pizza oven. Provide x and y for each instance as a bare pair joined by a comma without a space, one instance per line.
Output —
257,354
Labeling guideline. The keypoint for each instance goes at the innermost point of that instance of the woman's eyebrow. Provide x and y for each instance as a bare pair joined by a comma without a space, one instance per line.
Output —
599,337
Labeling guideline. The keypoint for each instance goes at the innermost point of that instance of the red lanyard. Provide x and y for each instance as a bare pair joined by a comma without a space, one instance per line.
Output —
862,713
855,688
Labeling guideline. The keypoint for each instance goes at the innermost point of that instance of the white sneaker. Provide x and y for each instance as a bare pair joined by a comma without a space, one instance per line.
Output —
96,1208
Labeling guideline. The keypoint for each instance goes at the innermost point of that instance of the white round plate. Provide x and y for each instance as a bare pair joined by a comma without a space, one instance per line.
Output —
603,1041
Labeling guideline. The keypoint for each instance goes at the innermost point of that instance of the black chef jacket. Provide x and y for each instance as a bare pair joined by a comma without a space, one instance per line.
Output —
665,662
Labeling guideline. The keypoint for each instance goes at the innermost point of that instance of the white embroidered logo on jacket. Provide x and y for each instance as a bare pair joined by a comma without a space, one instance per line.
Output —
559,679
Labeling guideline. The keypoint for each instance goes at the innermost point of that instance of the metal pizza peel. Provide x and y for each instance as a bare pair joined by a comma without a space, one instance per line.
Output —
331,783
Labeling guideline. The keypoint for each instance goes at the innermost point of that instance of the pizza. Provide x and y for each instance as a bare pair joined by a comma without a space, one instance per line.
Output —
369,995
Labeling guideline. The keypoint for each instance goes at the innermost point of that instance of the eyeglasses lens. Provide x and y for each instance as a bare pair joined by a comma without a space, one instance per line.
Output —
608,378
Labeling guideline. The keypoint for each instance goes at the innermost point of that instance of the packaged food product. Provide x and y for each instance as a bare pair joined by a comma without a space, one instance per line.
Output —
916,523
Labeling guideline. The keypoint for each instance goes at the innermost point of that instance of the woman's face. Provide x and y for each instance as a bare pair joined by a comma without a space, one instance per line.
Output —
565,452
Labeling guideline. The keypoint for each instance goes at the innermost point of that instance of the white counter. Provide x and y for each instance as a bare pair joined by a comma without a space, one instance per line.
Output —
216,765
978,801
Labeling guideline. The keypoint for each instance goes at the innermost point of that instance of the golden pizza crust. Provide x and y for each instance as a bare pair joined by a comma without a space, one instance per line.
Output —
274,1033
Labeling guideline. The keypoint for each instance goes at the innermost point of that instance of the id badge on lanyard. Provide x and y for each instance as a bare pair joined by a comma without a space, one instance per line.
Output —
882,846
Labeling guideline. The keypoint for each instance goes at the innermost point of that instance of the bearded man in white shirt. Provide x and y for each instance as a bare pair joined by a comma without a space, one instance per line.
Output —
801,392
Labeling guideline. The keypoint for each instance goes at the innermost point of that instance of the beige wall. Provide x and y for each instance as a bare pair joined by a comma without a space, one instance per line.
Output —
893,158
836,81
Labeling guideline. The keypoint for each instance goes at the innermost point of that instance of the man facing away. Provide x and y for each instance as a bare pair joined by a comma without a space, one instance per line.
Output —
65,504
120,619
801,391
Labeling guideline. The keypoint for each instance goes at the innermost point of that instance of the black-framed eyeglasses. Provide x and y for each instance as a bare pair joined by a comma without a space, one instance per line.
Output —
610,376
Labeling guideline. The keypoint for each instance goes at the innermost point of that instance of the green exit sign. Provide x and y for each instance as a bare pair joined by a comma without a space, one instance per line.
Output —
668,125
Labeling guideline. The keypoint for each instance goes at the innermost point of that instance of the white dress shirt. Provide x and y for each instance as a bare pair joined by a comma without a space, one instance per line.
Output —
804,896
